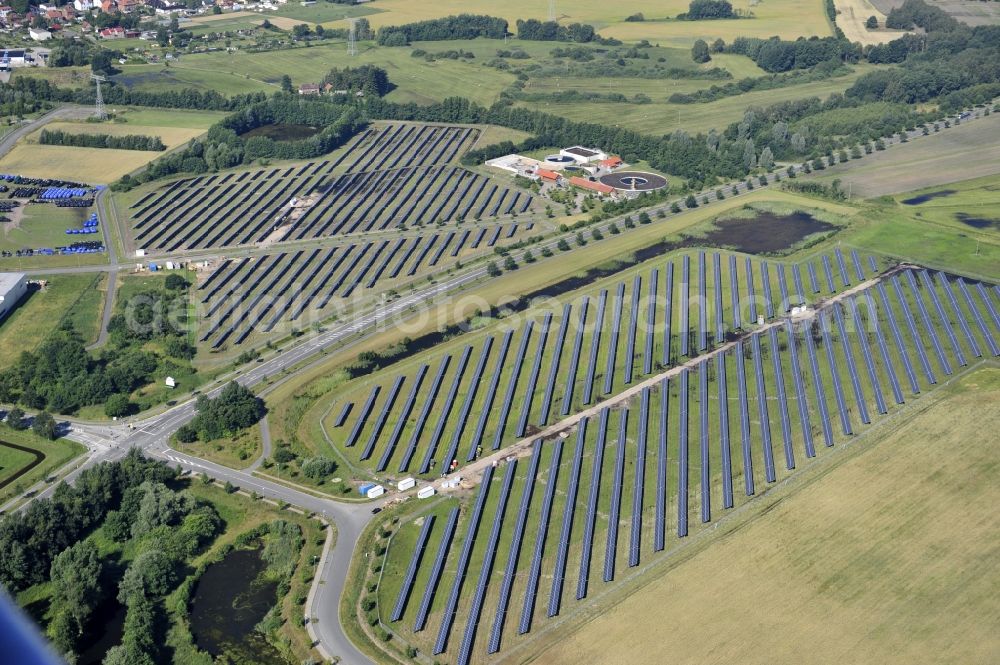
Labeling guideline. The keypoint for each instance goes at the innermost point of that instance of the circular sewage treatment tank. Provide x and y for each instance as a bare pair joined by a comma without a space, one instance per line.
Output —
559,159
634,181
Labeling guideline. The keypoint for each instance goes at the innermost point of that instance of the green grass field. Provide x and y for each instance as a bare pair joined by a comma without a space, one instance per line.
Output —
56,454
76,298
42,225
662,117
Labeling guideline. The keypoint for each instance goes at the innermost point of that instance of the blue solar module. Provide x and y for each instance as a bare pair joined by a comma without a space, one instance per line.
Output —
366,410
463,415
763,416
554,368
883,348
685,328
786,301
515,550
838,388
858,270
342,414
866,353
724,452
659,530
418,428
852,368
382,417
682,460
587,545
741,385
813,282
449,403
411,571
528,609
842,266
766,283
569,510
929,328
647,356
574,363
734,292
800,291
911,326
984,295
536,367
611,544
404,415
751,292
897,336
702,304
872,264
595,347
705,467
448,618
800,392
633,323
779,380
616,323
824,412
435,578
487,408
465,650
517,366
987,335
943,317
957,310
635,534
829,274
720,323
668,313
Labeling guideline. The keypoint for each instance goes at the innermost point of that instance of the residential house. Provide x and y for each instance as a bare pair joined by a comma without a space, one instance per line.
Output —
116,32
309,89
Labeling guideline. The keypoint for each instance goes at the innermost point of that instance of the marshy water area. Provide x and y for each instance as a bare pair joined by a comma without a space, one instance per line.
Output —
229,601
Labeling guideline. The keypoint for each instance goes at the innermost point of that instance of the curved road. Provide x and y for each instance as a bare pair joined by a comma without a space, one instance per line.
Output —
61,113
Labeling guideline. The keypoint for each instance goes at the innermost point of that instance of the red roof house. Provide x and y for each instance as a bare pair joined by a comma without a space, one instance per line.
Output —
611,162
593,186
545,174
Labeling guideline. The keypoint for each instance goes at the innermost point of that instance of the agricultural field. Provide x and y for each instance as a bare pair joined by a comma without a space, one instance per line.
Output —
786,18
25,459
906,516
852,16
98,165
661,117
723,427
964,152
970,12
73,298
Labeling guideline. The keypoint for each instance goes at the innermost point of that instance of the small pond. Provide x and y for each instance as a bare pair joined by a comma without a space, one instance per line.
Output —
924,198
282,132
228,602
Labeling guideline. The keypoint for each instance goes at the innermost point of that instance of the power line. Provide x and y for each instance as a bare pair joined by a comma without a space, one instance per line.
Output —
552,10
99,111
352,38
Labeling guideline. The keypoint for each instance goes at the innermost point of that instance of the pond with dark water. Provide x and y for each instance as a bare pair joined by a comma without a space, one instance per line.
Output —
282,132
977,222
228,602
924,198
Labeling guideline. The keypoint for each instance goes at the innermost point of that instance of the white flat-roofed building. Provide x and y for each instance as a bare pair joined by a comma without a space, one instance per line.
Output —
582,155
13,287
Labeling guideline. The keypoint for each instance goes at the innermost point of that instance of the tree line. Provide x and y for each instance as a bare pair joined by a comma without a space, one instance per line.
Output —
463,26
128,142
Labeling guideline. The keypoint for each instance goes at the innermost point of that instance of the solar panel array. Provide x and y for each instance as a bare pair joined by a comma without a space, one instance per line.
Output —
399,175
577,503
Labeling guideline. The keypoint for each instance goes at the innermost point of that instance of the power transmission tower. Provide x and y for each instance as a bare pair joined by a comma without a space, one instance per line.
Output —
552,10
352,38
99,111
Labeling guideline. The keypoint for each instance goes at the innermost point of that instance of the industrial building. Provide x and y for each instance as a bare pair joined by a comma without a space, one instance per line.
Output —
13,287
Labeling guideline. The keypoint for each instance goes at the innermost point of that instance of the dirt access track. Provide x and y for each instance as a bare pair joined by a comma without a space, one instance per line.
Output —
851,17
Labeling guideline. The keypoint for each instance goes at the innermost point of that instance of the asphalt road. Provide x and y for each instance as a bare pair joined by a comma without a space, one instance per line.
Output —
61,113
